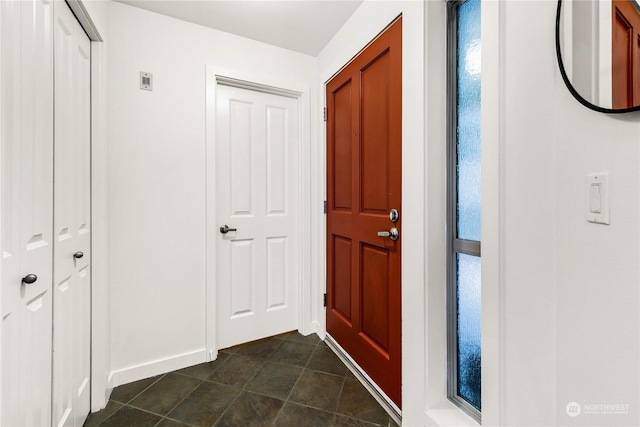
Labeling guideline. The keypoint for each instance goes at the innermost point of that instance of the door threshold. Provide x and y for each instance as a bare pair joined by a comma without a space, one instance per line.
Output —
375,391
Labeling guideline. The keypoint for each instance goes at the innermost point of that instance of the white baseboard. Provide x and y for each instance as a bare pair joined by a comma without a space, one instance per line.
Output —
156,367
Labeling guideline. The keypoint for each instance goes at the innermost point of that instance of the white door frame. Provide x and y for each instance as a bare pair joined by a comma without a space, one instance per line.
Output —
255,81
100,336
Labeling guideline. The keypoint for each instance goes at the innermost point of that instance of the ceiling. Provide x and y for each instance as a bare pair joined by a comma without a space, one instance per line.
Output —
304,26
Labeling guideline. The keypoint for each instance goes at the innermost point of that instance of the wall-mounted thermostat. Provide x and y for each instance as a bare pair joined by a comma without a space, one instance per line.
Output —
146,81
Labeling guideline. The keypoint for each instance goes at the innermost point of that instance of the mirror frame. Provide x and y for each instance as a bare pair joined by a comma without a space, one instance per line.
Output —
567,82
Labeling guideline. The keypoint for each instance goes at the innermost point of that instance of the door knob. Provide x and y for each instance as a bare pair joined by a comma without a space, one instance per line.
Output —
225,229
29,279
393,233
78,255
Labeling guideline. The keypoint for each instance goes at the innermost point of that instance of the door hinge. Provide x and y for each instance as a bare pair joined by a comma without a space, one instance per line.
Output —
325,206
325,114
325,300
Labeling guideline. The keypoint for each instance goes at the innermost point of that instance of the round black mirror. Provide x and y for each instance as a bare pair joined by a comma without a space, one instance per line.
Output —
598,50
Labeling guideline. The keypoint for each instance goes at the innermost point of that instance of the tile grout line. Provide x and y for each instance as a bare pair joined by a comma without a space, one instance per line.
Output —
145,389
294,386
183,399
166,417
130,400
243,386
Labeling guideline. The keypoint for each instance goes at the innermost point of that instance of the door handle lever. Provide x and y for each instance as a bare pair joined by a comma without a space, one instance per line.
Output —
393,233
225,229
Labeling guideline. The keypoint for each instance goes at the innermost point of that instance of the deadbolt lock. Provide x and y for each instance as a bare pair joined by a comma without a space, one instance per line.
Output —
394,216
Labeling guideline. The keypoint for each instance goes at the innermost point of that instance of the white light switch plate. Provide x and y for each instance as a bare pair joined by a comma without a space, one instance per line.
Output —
597,198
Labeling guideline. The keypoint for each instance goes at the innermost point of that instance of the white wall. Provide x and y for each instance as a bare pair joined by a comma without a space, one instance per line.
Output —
565,291
157,179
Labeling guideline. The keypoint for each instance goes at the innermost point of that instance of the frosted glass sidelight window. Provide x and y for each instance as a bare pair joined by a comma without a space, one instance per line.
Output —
468,120
464,206
468,308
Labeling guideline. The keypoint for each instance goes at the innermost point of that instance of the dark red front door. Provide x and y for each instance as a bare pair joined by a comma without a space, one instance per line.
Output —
364,152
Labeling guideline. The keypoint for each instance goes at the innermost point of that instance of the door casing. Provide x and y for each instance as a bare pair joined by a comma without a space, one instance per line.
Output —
249,80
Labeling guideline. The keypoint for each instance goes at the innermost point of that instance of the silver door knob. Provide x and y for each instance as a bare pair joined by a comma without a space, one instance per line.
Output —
225,229
29,279
78,255
393,233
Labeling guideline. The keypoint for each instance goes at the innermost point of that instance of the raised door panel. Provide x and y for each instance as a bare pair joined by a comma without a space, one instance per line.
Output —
26,192
341,148
241,140
276,160
374,146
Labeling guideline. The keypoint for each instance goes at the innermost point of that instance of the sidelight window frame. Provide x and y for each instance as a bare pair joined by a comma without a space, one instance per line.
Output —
455,245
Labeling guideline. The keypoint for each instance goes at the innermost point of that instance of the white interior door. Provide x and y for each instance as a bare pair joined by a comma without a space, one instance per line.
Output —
71,269
257,143
26,165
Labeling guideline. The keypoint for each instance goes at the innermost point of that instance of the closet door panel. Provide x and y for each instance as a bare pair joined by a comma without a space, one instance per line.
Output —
26,211
71,284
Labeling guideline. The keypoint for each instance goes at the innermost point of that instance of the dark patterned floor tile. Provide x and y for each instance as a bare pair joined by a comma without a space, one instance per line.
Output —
261,349
281,369
293,353
251,409
237,370
128,416
126,392
318,390
355,401
205,405
307,339
342,421
273,385
292,414
204,370
325,360
166,422
284,335
165,394
97,417
230,350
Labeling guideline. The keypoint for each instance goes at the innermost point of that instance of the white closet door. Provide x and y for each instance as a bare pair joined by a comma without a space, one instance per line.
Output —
26,189
257,140
71,269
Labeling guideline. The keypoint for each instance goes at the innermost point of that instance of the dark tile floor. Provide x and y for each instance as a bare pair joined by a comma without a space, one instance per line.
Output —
289,380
